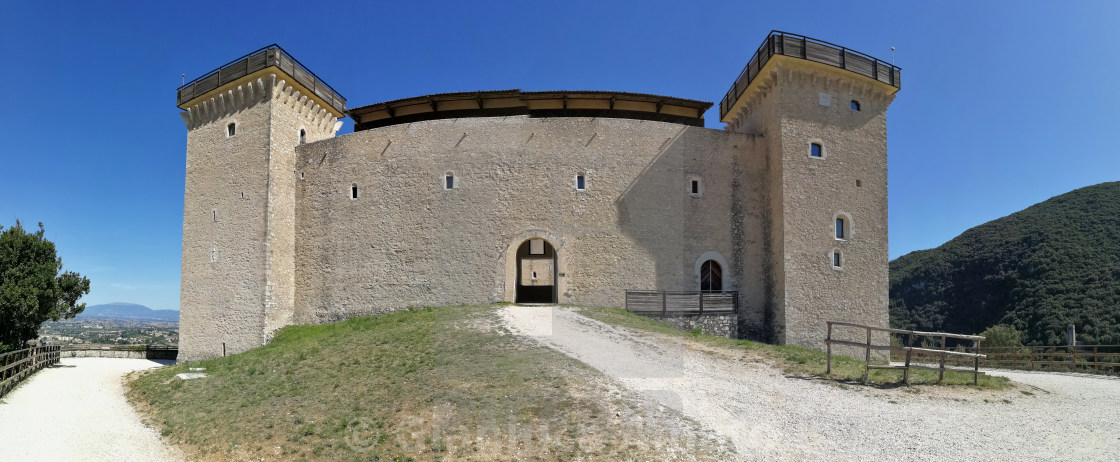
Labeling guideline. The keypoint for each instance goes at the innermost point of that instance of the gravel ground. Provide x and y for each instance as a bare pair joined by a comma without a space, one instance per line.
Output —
76,410
768,416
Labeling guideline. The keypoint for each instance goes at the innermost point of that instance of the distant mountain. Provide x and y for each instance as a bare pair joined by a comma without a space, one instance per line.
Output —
120,310
1052,264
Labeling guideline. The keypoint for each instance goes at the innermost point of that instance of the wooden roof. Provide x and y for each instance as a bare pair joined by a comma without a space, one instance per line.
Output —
535,104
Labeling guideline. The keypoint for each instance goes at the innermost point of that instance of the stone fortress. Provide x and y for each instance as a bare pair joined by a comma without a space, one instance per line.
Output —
535,197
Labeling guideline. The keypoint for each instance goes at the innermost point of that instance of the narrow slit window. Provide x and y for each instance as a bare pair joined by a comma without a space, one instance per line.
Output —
695,186
302,136
836,259
231,129
841,233
581,183
855,105
816,150
354,191
449,181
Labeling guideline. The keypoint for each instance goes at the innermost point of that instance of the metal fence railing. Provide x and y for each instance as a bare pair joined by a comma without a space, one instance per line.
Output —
20,364
271,55
810,49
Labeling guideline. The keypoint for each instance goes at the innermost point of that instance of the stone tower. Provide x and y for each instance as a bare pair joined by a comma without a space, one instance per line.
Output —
820,111
244,121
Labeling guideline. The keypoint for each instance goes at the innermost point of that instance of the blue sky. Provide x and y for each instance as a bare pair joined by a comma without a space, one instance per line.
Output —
1003,105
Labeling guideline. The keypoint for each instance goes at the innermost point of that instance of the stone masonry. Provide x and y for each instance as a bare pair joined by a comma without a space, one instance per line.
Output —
281,230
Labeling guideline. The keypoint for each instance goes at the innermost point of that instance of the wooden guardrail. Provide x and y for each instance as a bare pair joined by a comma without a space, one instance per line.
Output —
911,335
666,303
1102,359
20,364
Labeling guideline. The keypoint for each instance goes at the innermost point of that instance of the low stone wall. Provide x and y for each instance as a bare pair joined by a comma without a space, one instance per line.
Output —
135,354
719,325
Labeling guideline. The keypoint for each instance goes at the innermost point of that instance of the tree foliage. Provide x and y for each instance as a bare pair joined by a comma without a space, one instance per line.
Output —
1038,270
33,287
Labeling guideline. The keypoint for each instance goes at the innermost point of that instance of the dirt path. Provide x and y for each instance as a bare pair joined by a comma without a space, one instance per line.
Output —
768,416
76,410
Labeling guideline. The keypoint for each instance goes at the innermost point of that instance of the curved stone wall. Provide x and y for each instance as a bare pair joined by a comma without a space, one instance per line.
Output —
406,240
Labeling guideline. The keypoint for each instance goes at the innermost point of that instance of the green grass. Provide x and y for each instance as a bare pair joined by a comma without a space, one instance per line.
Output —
425,384
795,360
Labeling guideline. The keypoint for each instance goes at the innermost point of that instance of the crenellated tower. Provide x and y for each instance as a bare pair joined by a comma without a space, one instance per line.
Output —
820,111
244,121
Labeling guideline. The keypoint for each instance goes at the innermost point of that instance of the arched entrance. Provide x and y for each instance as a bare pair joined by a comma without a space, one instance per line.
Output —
536,272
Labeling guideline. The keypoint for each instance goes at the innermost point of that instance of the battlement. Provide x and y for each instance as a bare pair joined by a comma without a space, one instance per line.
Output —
269,56
810,49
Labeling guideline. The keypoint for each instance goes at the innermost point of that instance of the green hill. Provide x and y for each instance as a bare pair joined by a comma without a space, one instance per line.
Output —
1040,269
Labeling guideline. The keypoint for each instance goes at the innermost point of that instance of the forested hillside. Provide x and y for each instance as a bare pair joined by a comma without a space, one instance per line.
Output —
1053,264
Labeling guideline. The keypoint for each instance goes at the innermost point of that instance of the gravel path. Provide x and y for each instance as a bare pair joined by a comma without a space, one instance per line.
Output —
768,416
76,410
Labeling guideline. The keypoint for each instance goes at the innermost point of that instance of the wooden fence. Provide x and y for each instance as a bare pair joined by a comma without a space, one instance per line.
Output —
20,364
664,303
942,352
1096,359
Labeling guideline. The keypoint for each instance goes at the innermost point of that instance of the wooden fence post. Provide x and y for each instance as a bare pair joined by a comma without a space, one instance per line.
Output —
976,367
941,373
828,348
909,344
867,358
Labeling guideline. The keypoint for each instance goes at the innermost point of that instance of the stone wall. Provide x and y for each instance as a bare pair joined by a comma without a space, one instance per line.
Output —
799,103
408,241
724,325
238,212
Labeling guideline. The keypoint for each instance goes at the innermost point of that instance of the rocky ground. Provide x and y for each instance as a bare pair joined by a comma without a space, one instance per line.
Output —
768,416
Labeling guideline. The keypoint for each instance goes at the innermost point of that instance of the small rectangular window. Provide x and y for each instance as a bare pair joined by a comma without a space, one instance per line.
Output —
816,150
580,183
354,191
836,259
695,187
839,228
449,182
231,129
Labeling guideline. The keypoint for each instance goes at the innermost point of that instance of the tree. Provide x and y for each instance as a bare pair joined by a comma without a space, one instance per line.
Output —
33,288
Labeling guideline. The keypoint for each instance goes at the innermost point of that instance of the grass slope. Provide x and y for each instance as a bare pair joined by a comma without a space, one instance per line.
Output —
1040,269
444,383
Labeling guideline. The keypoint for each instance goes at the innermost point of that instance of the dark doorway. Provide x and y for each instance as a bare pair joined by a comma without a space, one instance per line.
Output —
711,277
536,272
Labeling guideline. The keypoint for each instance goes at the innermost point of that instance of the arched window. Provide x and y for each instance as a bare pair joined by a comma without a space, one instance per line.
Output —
231,129
841,229
855,105
302,136
711,277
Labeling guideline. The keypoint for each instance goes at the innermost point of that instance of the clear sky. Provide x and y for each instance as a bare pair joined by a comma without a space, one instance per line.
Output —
1003,104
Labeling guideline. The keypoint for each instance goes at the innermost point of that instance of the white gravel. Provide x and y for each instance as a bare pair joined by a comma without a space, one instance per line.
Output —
768,416
76,410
